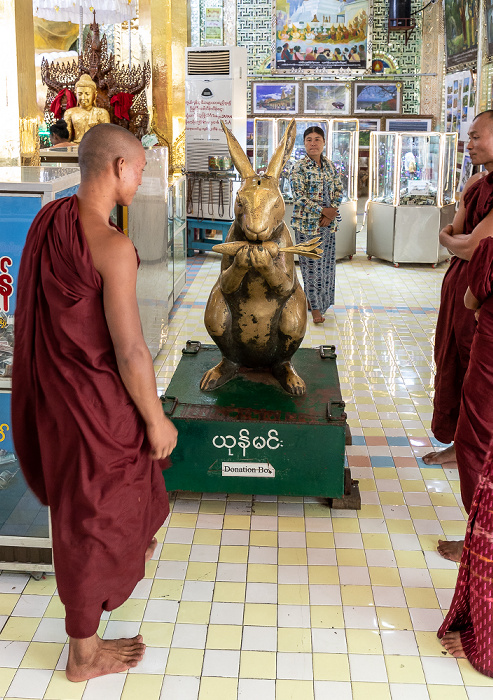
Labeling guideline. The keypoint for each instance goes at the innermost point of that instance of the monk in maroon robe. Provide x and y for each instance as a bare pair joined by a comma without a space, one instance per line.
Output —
456,324
88,426
466,631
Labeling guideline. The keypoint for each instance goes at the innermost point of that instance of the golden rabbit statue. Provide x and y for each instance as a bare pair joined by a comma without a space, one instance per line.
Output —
256,312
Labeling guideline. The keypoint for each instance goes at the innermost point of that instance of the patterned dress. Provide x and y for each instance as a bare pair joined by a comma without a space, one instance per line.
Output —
313,189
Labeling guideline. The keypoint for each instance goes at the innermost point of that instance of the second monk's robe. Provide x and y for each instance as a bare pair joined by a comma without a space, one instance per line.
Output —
456,324
471,611
475,426
79,438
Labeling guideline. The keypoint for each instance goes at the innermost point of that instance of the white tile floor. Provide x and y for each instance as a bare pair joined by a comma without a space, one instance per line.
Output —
265,598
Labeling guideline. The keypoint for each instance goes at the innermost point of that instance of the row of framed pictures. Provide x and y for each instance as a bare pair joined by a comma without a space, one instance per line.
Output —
329,98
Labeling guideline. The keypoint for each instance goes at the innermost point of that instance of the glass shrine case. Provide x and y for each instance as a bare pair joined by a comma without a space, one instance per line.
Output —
411,195
341,148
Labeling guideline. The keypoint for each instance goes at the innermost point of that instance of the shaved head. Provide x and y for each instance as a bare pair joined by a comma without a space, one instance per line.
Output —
102,146
488,113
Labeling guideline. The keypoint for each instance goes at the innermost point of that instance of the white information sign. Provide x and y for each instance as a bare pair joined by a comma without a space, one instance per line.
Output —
248,469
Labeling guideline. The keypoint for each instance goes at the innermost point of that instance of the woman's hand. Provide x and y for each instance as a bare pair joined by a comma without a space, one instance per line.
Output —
329,213
324,221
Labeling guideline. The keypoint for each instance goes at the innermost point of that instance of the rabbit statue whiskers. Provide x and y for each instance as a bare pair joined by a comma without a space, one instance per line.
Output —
256,312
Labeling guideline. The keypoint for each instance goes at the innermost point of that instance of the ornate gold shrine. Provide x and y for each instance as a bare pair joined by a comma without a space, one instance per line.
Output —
111,78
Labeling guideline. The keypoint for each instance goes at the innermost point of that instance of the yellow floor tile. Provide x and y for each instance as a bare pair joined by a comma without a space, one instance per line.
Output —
20,629
60,687
150,570
161,533
316,510
363,642
429,542
386,473
323,574
428,644
262,573
413,486
367,485
356,595
212,507
351,557
293,594
193,611
41,655
144,685
224,637
294,639
454,529
8,601
320,540
175,552
132,610
215,688
421,598
472,677
184,662
423,512
400,527
432,472
258,664
330,667
383,576
6,676
393,619
391,498
260,615
443,578
345,524
204,536
292,556
167,589
370,691
370,511
294,690
183,520
47,586
447,692
443,499
261,508
287,524
201,571
404,669
376,541
157,634
236,522
233,554
263,538
410,560
227,592
327,616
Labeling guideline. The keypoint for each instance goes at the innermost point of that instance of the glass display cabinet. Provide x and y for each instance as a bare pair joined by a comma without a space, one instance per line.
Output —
264,143
411,195
342,149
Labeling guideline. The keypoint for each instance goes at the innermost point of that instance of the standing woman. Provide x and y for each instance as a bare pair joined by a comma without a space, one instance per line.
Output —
317,192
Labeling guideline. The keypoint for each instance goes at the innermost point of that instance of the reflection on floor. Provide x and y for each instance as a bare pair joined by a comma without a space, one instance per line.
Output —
264,598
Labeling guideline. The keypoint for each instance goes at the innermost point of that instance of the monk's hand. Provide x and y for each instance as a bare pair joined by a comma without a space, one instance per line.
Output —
162,436
446,231
476,314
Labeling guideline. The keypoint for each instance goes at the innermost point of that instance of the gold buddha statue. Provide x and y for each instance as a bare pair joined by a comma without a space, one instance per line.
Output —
81,118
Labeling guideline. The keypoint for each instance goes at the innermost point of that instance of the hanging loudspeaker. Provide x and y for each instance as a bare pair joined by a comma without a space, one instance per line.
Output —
399,13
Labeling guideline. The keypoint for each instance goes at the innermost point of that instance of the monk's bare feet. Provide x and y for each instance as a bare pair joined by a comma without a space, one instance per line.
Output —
317,316
441,456
452,643
450,549
150,550
94,657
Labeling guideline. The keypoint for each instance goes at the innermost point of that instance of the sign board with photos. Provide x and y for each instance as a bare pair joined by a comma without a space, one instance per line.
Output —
459,100
321,36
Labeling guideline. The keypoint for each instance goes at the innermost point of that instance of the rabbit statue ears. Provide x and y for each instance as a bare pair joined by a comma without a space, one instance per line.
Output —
277,162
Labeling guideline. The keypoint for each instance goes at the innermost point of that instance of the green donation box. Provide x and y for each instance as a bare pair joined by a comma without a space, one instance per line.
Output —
250,436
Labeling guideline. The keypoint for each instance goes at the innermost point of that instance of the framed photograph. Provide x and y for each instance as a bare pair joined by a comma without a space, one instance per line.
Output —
275,98
321,36
382,98
489,25
327,98
410,123
366,126
461,41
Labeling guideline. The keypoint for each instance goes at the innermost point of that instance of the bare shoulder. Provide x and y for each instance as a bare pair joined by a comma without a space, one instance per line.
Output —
474,178
111,250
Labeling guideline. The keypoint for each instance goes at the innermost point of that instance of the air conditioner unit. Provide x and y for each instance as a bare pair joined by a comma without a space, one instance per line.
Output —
215,90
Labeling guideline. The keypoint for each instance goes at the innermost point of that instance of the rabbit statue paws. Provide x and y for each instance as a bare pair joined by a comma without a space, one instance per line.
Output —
219,375
289,379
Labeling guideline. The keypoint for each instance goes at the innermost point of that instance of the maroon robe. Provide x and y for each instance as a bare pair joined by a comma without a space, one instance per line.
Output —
475,426
80,441
456,325
471,610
